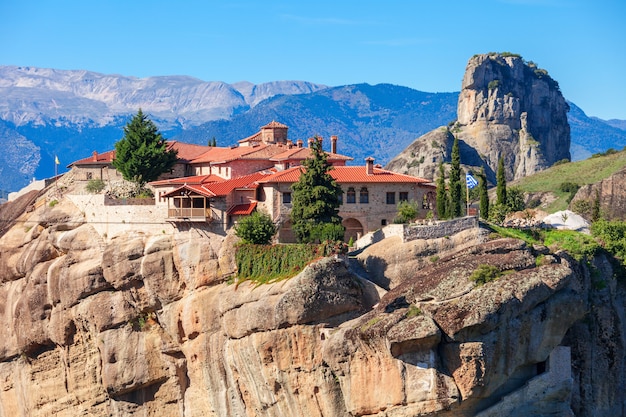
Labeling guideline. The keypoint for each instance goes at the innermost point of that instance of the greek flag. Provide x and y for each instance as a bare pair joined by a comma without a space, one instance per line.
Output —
470,181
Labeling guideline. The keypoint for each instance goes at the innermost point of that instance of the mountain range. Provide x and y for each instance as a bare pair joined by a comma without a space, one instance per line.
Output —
46,113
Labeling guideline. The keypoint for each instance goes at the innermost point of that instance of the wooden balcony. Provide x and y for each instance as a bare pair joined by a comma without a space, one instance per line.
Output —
189,214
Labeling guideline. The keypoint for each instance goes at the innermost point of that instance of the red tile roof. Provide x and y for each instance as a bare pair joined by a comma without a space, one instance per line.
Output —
195,188
300,154
187,151
225,187
222,155
242,209
197,179
274,123
97,158
351,174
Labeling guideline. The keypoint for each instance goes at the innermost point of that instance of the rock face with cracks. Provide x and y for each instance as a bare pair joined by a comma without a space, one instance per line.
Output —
147,325
508,108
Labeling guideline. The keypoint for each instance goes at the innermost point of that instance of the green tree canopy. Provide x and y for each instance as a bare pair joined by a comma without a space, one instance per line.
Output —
455,181
256,228
501,183
483,193
442,195
142,154
315,200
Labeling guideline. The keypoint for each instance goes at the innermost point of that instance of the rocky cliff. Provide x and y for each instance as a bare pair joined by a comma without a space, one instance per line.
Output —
609,193
507,108
139,323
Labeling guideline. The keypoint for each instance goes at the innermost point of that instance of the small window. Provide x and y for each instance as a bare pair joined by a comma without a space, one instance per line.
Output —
404,196
351,196
383,222
391,198
286,198
340,198
364,196
89,175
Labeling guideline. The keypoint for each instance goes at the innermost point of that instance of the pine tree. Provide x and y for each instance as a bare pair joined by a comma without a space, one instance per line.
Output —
455,181
315,200
484,196
442,195
501,183
142,154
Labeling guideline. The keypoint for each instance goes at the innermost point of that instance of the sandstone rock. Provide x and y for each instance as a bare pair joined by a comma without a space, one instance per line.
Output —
143,325
324,290
507,108
610,194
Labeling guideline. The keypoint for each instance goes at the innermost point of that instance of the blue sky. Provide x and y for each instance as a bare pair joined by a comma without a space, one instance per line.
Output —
422,44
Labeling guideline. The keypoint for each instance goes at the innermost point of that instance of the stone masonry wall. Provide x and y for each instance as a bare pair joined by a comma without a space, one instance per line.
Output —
439,229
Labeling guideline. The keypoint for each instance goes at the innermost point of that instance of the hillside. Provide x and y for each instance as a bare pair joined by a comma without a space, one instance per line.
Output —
545,185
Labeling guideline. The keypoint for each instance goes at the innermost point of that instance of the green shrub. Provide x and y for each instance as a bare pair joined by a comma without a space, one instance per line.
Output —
515,199
95,186
414,311
53,203
144,193
327,232
577,244
257,228
407,211
493,84
485,273
612,235
497,213
568,187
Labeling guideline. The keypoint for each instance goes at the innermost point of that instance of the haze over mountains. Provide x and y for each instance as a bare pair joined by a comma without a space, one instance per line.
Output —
47,112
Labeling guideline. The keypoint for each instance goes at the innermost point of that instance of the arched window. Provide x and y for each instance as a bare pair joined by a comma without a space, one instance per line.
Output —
364,196
351,196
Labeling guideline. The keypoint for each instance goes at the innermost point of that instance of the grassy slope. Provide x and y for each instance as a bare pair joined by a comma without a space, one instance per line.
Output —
588,171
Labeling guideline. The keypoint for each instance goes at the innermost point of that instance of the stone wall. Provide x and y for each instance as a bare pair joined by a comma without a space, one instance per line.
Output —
112,220
439,229
409,232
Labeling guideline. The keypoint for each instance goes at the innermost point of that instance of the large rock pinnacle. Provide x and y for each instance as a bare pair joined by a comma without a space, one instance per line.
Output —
508,108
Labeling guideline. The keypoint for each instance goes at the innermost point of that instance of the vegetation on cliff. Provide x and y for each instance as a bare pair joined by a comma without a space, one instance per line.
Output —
589,171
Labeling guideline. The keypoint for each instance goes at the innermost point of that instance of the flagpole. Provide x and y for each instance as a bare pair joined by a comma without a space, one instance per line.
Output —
56,172
467,197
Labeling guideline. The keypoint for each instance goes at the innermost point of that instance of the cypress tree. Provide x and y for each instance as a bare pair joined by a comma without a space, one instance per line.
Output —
501,183
455,181
442,195
484,196
315,200
142,154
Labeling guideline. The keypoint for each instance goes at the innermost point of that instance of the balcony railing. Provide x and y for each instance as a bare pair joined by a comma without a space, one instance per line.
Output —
192,214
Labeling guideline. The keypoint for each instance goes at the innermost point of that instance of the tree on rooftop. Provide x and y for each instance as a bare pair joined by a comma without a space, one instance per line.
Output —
142,154
315,200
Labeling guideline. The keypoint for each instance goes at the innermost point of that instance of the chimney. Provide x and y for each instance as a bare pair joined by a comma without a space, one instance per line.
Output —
95,156
369,165
311,142
289,144
333,144
300,143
